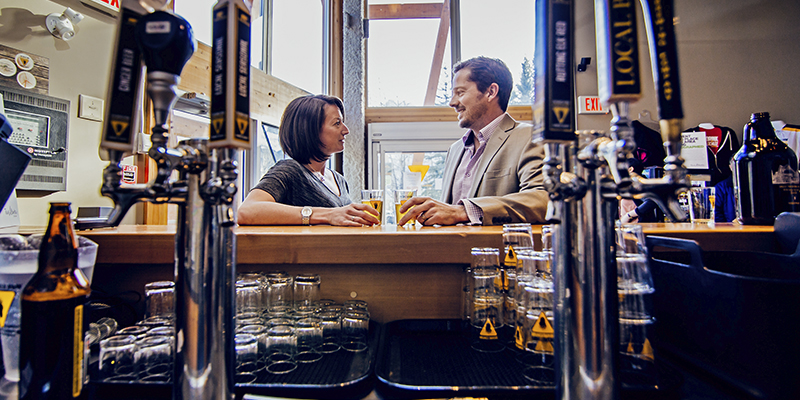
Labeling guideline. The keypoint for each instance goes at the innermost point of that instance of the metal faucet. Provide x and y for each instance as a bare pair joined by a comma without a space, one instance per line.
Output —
586,174
205,246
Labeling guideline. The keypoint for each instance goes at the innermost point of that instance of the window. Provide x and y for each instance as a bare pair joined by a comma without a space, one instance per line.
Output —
297,39
409,47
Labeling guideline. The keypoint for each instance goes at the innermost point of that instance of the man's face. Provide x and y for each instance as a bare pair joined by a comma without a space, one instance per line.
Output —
470,103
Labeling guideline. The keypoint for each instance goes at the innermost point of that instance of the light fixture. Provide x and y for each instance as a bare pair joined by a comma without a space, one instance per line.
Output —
62,26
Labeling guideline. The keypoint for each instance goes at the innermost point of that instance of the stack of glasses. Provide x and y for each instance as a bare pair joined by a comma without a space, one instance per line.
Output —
280,322
526,281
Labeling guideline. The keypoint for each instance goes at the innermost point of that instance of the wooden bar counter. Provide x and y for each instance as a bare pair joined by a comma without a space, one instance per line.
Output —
401,272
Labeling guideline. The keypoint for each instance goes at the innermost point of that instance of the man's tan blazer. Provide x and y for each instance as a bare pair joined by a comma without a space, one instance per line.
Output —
508,181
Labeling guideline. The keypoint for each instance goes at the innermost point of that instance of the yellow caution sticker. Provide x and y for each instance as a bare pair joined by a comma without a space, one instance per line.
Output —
488,332
542,333
6,297
511,257
647,350
519,338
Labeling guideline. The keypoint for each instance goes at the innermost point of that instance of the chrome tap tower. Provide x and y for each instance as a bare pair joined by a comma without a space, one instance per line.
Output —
161,43
586,173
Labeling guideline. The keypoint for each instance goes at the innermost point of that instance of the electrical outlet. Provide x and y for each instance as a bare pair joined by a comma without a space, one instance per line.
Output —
90,108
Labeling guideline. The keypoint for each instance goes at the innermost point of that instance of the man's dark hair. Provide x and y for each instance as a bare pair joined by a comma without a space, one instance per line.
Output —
484,71
301,124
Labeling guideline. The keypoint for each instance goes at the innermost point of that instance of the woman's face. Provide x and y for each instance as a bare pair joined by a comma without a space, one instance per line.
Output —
333,131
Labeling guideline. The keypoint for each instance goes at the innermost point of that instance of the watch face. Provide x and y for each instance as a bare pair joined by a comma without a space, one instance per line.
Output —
306,211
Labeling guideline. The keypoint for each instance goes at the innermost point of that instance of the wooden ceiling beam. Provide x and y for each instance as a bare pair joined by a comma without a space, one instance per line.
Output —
405,11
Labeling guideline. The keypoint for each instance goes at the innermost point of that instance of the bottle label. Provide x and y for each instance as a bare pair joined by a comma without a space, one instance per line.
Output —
786,186
77,352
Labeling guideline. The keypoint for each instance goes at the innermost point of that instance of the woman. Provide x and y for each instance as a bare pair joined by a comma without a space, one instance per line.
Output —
301,190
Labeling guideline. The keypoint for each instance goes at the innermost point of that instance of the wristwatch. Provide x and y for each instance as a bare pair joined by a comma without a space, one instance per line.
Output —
306,214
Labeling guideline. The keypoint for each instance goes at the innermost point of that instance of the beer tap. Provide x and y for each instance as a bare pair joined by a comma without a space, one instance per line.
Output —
161,43
586,173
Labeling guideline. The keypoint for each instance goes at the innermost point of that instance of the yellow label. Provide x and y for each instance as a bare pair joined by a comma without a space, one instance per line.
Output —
647,350
77,352
543,333
488,332
519,338
6,297
511,257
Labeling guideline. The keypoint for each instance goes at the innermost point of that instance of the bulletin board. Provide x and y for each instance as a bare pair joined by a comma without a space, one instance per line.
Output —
21,70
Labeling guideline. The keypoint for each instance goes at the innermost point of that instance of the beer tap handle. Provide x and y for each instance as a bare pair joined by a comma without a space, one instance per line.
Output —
166,42
658,18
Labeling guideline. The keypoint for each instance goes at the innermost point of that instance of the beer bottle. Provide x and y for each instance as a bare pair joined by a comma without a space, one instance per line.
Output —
52,345
765,176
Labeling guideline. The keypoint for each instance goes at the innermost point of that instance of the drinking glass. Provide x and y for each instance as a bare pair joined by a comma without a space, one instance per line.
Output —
140,331
701,205
160,299
534,332
281,349
373,198
262,280
280,292
400,198
331,324
356,305
635,288
630,239
309,339
515,236
246,346
547,237
154,356
248,295
117,357
485,299
355,327
306,292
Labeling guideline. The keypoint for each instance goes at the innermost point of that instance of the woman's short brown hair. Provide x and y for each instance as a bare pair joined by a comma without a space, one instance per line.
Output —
301,124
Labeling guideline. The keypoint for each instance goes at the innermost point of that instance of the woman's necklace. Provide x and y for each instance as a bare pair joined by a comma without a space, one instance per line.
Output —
330,183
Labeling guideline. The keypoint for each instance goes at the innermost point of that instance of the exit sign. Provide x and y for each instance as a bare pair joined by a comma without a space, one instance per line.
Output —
103,5
591,105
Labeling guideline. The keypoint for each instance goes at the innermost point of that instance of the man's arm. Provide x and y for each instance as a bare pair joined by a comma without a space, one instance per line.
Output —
526,204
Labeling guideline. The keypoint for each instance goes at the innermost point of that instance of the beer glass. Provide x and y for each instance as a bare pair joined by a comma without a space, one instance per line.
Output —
280,292
400,198
355,326
246,346
484,299
160,299
117,355
281,349
309,339
248,295
306,292
331,324
701,205
515,236
373,198
154,356
534,331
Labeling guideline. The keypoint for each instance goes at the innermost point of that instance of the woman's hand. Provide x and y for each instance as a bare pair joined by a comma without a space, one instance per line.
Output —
354,214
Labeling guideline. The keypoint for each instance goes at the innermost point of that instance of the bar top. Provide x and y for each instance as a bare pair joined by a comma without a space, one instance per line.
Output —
388,244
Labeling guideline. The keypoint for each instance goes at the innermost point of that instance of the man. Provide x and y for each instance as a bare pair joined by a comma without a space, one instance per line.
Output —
493,175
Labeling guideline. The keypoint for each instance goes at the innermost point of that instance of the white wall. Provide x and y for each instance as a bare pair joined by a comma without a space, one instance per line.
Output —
80,66
736,57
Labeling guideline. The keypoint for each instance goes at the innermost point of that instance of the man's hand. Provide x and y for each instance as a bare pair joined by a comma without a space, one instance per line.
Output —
432,212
